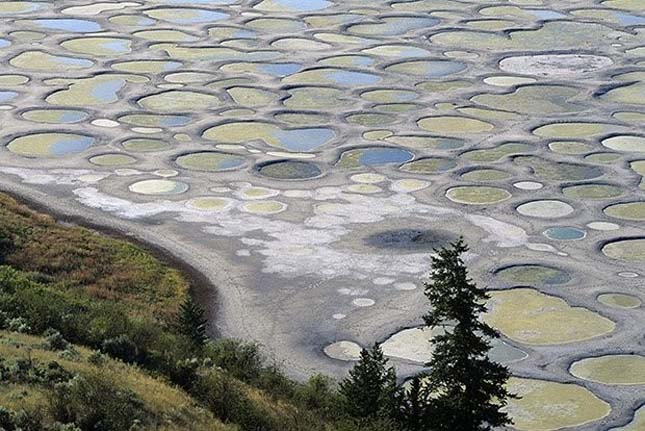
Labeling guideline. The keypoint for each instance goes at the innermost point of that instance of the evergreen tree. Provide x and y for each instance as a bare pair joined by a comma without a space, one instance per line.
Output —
370,391
414,406
465,388
192,323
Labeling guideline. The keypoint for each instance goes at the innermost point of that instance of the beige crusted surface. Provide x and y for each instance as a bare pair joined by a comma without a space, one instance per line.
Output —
612,369
546,406
528,316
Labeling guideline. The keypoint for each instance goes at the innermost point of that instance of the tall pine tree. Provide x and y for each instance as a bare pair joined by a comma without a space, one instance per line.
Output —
192,323
370,391
466,390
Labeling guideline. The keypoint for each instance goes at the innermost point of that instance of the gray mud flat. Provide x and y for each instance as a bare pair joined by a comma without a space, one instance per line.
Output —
306,157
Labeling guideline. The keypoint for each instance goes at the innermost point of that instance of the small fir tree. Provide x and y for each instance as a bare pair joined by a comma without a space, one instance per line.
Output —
370,391
414,408
466,390
192,323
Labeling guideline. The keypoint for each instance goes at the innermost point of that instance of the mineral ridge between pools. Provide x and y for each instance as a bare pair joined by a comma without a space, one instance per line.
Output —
307,157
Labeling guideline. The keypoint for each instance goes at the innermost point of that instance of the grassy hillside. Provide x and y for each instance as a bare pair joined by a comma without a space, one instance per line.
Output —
92,339
37,379
83,262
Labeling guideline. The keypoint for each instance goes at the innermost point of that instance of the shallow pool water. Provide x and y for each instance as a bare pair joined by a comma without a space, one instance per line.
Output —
373,156
565,233
290,170
42,61
69,25
306,139
55,116
186,15
210,161
49,144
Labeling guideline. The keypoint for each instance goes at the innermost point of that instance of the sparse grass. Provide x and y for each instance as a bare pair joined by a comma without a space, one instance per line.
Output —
173,409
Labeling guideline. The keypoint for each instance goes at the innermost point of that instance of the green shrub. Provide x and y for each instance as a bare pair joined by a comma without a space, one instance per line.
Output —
29,421
242,360
225,397
319,394
18,324
54,340
97,358
25,371
121,347
7,419
95,403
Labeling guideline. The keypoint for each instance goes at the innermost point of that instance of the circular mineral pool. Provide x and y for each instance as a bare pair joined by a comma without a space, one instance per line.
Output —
634,211
364,188
363,302
409,185
373,156
602,226
113,159
530,317
154,120
263,207
627,250
592,191
453,125
626,143
208,203
565,233
477,195
290,170
55,116
158,187
343,351
50,144
611,369
619,300
256,193
210,161
549,406
368,178
144,145
528,185
429,165
533,274
409,239
546,209
485,175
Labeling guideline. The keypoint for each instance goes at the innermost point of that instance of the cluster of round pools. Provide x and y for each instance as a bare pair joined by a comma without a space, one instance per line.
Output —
522,116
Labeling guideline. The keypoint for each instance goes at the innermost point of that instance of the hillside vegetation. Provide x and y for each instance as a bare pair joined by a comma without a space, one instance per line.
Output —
90,340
